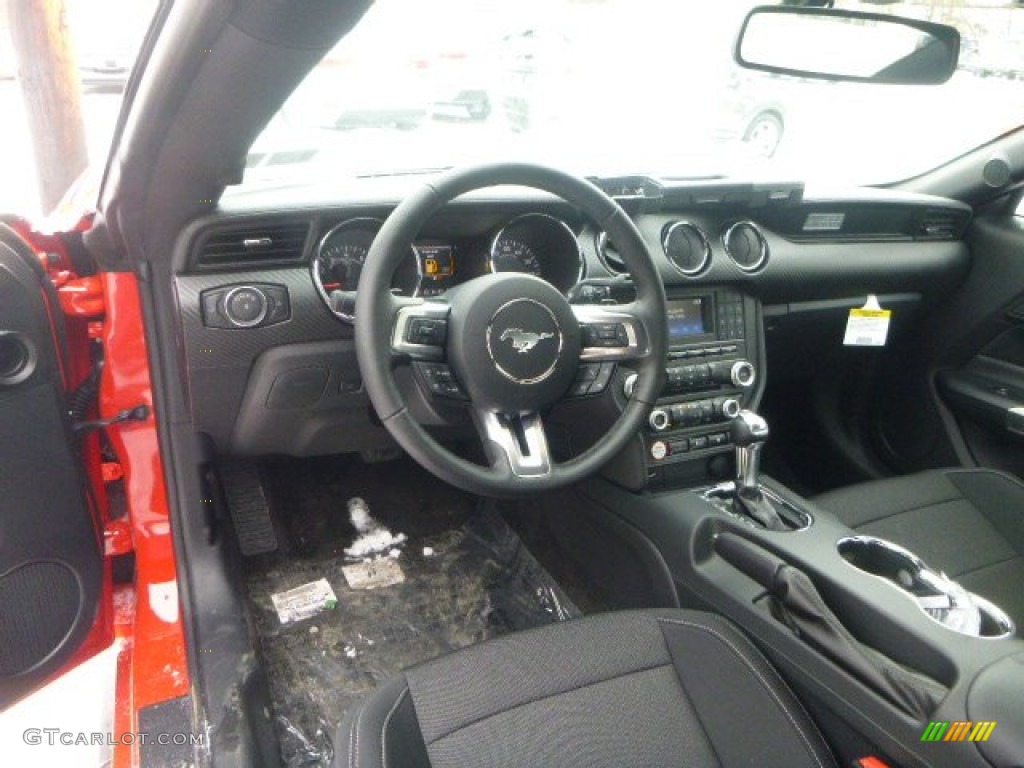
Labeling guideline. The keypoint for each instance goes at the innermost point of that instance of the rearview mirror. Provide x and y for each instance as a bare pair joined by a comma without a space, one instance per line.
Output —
847,45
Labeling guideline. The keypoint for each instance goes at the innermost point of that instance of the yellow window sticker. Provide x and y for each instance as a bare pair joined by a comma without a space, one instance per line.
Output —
867,326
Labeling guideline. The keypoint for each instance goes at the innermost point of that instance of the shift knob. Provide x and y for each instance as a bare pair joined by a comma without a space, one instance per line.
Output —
747,429
749,432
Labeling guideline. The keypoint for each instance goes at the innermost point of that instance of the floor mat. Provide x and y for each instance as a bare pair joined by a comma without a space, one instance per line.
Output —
467,577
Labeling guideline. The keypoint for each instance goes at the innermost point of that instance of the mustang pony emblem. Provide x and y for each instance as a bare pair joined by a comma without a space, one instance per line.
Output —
523,341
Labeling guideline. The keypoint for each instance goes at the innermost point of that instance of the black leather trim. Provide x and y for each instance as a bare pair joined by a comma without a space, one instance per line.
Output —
382,732
729,681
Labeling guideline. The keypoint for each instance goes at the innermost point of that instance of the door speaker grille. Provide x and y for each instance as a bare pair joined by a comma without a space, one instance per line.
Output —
39,603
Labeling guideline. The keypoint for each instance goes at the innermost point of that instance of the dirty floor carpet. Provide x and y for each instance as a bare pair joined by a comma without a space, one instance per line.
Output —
467,578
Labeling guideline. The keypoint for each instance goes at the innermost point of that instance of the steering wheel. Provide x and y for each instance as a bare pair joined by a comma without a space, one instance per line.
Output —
510,343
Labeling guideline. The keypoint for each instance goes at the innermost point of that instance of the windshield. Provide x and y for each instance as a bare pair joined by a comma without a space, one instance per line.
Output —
604,87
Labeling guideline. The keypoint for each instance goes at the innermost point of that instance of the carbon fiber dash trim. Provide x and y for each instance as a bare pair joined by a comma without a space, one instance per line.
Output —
216,347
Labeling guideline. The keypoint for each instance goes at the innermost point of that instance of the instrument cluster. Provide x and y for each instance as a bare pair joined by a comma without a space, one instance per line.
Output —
532,243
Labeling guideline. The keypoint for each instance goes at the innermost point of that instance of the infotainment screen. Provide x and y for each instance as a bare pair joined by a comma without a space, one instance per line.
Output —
687,317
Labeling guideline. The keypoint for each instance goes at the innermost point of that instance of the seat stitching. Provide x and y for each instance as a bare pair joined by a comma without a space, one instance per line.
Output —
746,662
693,704
387,722
351,736
481,719
353,758
860,710
908,510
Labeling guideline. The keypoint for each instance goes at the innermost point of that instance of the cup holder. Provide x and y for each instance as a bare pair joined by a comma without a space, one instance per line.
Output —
939,597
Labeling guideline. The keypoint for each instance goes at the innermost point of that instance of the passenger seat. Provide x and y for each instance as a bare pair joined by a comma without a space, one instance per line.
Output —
968,523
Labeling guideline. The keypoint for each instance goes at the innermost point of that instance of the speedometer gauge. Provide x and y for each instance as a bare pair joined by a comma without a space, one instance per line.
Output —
339,260
540,245
509,254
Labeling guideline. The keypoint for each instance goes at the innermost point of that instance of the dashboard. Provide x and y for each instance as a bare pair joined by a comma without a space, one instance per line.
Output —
270,354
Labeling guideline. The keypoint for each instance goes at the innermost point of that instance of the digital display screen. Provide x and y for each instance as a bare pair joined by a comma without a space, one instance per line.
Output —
436,261
437,268
686,317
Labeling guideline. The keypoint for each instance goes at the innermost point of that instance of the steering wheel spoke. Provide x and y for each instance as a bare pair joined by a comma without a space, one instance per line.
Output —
517,441
611,333
420,329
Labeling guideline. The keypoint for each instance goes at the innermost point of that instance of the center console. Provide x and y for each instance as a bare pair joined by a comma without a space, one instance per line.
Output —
877,642
714,370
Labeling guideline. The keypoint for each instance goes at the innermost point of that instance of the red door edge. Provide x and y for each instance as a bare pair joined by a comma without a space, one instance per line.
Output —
143,618
153,665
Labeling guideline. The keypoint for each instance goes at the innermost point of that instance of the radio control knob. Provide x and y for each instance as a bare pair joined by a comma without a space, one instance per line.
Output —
659,420
629,386
742,373
730,408
659,450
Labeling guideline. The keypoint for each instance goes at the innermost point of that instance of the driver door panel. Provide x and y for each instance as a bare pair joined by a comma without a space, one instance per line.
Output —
50,551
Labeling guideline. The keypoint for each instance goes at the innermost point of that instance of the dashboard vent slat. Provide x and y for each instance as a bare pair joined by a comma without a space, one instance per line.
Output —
250,245
939,225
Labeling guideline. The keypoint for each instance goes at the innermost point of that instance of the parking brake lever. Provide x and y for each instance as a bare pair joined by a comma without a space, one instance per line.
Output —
797,603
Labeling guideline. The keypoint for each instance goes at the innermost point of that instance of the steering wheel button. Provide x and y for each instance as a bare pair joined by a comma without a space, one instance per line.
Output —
425,330
450,389
587,373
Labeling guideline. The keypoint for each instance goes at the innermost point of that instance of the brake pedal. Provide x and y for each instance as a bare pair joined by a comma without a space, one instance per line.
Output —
249,508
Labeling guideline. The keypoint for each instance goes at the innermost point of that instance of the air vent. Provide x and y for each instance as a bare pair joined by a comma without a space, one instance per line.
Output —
609,255
687,247
746,246
937,224
242,246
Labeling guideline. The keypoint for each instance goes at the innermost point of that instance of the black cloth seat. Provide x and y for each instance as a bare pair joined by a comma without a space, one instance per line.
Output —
618,690
968,523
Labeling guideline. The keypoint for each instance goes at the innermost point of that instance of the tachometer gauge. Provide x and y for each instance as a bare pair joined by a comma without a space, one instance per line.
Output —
340,265
509,254
339,260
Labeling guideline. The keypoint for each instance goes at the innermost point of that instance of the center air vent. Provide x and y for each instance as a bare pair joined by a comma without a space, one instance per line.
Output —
249,245
687,247
609,255
937,224
746,246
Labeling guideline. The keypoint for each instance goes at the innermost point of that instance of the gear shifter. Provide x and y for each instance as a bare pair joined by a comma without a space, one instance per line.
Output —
749,432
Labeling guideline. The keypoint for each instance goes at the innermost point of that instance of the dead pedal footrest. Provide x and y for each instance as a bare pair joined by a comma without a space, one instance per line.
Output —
249,508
